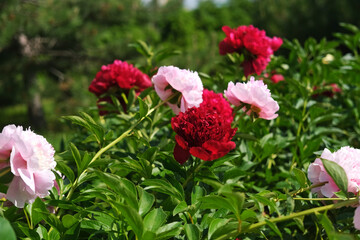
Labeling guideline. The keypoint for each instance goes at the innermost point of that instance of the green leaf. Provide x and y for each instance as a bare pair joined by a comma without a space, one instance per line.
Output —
6,230
146,201
41,230
121,186
132,217
69,220
66,170
236,200
216,224
149,235
215,202
274,228
77,157
131,98
337,173
326,223
192,232
168,231
154,219
181,207
38,209
196,194
230,230
163,186
300,177
143,108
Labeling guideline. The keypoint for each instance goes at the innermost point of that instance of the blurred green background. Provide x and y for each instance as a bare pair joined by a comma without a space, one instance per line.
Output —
51,50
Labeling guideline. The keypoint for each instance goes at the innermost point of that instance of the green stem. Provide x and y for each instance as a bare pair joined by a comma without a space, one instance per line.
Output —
28,220
323,199
192,174
254,226
308,188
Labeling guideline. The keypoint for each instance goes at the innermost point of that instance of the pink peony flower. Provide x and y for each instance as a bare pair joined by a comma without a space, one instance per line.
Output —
170,79
255,95
356,220
253,43
348,158
31,160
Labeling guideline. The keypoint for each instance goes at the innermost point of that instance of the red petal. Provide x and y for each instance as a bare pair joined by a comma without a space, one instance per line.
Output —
181,141
201,153
181,155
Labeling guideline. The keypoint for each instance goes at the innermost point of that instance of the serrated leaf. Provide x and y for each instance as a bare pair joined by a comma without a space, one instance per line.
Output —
337,173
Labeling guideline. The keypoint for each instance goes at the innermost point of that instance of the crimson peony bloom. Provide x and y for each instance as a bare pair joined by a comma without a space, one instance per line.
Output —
253,43
255,95
218,103
31,161
116,78
204,132
170,79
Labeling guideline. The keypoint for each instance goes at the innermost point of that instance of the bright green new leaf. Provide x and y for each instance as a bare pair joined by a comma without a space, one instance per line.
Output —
154,219
192,232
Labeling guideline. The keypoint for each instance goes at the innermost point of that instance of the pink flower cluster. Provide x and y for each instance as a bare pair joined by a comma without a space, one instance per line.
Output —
169,80
349,159
116,78
255,96
31,161
253,43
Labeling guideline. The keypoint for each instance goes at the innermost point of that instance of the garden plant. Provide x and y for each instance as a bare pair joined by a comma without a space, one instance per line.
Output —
266,147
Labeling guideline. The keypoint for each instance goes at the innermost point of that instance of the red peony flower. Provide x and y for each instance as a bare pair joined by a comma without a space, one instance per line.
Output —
204,132
251,42
329,91
277,78
116,78
218,103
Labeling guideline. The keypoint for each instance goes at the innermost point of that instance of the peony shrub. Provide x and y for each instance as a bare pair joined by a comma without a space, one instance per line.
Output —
197,160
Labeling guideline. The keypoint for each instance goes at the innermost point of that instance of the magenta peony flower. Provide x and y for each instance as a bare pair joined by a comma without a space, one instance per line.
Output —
253,43
348,158
329,90
31,160
205,131
170,79
117,78
255,95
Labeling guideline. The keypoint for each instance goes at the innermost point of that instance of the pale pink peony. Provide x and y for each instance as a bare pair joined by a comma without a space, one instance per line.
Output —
357,218
170,79
31,160
256,95
348,158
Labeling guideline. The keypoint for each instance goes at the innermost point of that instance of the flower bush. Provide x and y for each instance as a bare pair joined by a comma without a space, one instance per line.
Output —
179,162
